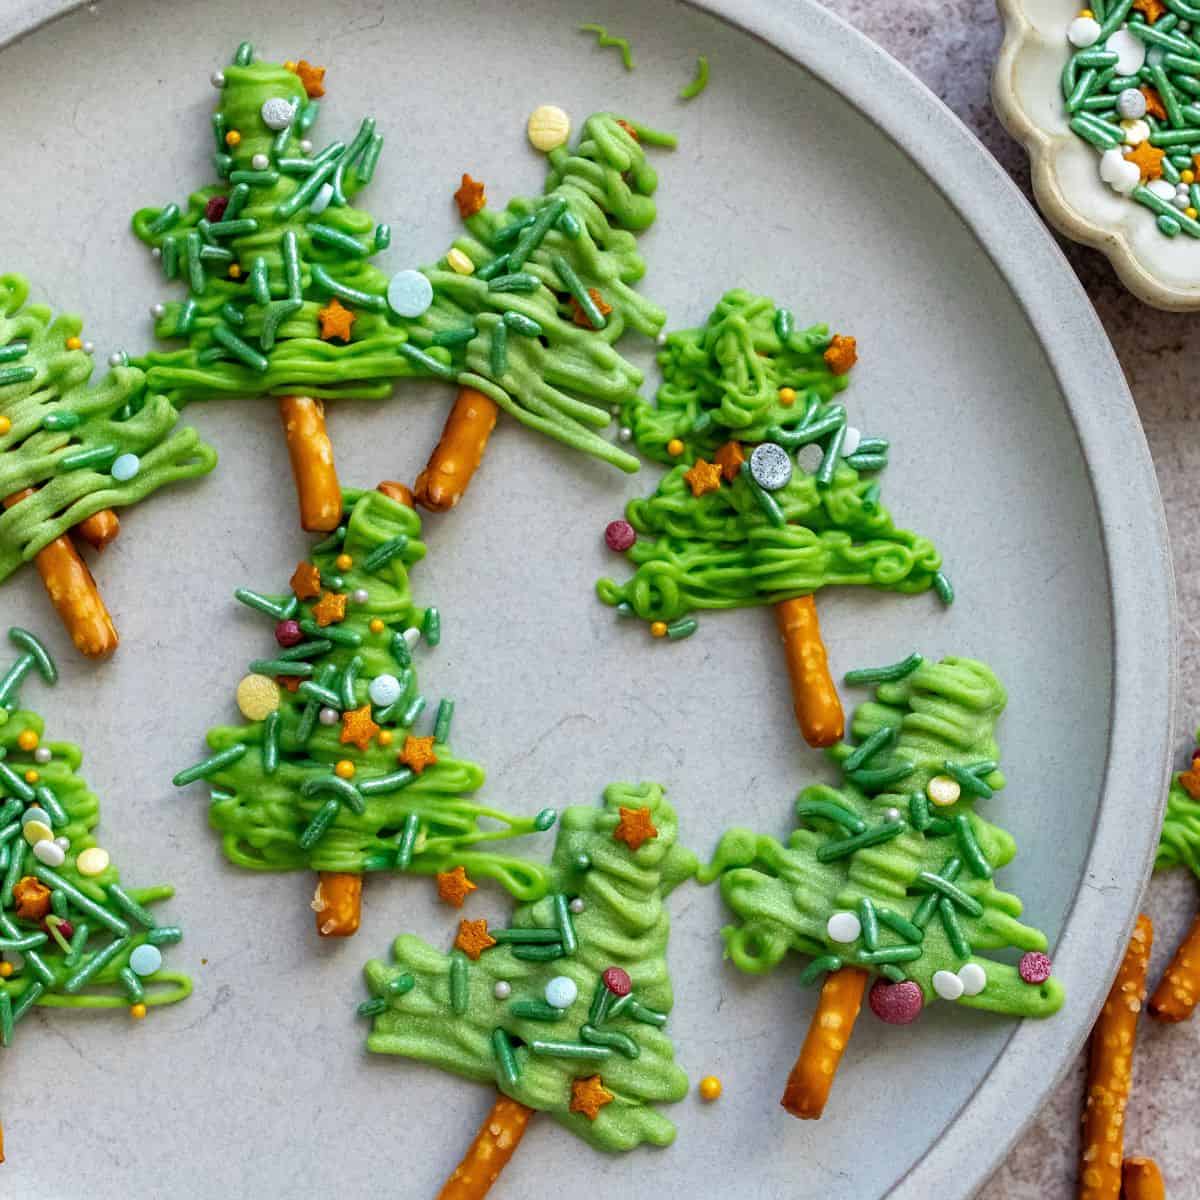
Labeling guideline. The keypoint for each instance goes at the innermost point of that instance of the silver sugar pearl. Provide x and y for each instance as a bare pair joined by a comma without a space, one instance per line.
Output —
260,162
328,716
770,466
661,338
502,989
625,434
360,595
158,310
576,905
305,146
891,815
42,755
217,79
155,252
117,358
63,843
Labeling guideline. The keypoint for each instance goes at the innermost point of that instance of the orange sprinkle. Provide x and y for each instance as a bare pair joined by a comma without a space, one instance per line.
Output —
27,739
233,138
674,447
344,562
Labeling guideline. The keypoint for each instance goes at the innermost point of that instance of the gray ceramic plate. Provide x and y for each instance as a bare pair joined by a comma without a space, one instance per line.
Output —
813,169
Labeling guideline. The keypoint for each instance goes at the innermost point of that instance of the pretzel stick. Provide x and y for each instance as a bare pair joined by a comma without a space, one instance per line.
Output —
494,1144
1110,1072
338,903
828,1033
456,458
311,453
814,696
73,593
1179,989
100,529
1141,1180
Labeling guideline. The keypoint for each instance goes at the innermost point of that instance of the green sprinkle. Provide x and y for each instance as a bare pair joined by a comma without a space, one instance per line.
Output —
265,604
244,55
784,324
10,375
170,257
210,766
426,362
328,236
339,637
532,235
260,284
954,930
683,628
830,812
6,1018
869,921
270,745
518,281
968,779
165,219
413,711
826,964
276,314
526,937
237,201
365,300
621,1042
60,422
562,917
569,224
767,502
572,1050
324,696
281,666
892,972
493,269
832,851
602,1000
349,677
262,179
510,1070
890,954
27,999
547,953
408,840
401,985
574,285
100,457
699,83
79,942
545,819
899,924
341,790
94,965
459,983
400,650
889,674
603,40
134,991
867,462
877,778
366,171
383,554
453,337
883,736
305,650
316,829
939,883
441,725
129,907
240,349
373,1007
165,935
918,811
196,277
431,626
647,1016
519,323
233,315
535,1010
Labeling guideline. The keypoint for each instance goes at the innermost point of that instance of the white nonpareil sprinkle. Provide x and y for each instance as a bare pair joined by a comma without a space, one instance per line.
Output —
502,989
843,927
1083,32
561,992
1130,51
1162,189
973,979
1118,172
947,985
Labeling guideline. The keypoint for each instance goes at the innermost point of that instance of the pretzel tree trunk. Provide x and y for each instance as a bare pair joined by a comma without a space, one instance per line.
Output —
494,1144
311,452
100,529
456,457
1178,991
73,593
815,699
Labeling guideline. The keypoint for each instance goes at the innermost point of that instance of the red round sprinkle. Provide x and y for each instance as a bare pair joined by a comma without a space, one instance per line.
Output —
1195,755
619,535
64,927
1034,967
617,981
288,633
896,1003
214,210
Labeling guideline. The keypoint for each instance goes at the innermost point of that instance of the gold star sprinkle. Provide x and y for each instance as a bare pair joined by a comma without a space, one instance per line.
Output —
841,354
473,938
580,317
306,581
358,728
330,609
634,828
1154,104
336,320
470,197
454,886
417,753
589,1096
1189,780
730,458
1147,159
703,477
312,76
1150,9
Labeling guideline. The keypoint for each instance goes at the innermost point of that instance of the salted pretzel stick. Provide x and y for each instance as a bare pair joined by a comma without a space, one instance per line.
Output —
1179,989
311,453
494,1144
73,593
828,1033
814,696
457,456
100,529
1141,1180
1110,1072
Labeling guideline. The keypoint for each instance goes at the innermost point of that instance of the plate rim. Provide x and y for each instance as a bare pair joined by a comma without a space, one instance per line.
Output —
1133,536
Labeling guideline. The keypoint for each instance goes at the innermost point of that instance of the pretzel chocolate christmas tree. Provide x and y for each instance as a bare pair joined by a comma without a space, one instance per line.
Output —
562,1010
330,771
891,874
737,520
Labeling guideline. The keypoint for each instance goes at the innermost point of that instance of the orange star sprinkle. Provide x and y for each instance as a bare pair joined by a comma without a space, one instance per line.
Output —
589,1096
291,682
1154,104
1190,780
580,317
312,76
634,827
306,581
336,320
470,197
454,886
703,477
841,354
1150,9
473,938
358,728
1147,159
730,458
330,609
417,753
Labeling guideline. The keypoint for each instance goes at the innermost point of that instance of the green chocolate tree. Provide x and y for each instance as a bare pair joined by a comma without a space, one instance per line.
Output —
329,772
71,452
70,935
563,1010
892,872
736,521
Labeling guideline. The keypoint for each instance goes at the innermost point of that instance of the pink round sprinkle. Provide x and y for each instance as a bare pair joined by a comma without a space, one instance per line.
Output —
214,210
289,633
1034,967
617,981
896,1003
619,535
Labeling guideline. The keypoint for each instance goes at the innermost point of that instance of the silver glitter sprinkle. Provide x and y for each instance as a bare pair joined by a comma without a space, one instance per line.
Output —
1131,104
770,466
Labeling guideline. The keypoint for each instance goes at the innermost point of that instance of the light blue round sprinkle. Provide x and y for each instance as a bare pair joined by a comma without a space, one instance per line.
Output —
145,960
126,467
409,293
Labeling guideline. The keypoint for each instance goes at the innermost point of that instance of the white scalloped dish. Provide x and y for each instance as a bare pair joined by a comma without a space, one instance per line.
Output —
1163,271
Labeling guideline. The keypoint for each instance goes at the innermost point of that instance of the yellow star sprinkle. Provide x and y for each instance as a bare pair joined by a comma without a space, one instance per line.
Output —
454,886
589,1096
703,477
473,938
635,827
358,728
417,753
330,609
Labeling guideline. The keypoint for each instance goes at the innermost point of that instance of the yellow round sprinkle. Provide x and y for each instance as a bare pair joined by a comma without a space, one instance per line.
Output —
257,697
1188,176
138,1012
74,343
37,831
6,969
710,1088
344,769
787,396
459,262
384,737
1086,12
548,128
376,626
344,562
658,629
674,447
289,65
27,739
92,861
31,776
943,790
1190,212
235,271
5,425
233,138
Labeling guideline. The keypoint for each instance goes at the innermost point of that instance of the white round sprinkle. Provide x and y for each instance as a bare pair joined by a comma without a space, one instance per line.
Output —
843,927
320,202
770,466
277,113
1118,172
328,716
660,338
1131,104
360,595
1133,133
973,979
117,358
561,992
43,754
502,989
125,467
1130,51
892,815
947,985
155,252
625,434
93,861
305,146
409,293
1162,189
260,162
412,635
50,853
217,79
1180,202
384,690
89,347
145,960
851,440
35,814
158,310
548,127
1083,31
63,843
576,905
943,790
